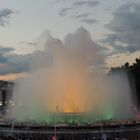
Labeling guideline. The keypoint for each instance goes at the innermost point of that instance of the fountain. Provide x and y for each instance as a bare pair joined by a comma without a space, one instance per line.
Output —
67,83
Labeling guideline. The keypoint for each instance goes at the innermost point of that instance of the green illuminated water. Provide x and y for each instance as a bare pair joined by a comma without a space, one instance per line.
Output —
68,117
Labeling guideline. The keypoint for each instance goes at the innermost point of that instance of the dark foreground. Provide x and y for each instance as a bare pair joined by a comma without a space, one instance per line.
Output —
115,132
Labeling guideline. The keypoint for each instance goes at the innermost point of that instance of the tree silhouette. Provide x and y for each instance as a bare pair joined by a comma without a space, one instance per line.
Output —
133,72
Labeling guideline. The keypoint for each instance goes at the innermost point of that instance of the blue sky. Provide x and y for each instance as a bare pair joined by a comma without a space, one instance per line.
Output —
22,24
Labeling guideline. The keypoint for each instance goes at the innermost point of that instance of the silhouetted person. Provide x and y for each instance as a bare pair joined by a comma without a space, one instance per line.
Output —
62,138
11,138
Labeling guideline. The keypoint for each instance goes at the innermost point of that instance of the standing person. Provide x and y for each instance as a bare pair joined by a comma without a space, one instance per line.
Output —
104,137
53,138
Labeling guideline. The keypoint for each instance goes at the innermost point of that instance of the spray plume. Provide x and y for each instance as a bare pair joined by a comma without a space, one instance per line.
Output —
67,78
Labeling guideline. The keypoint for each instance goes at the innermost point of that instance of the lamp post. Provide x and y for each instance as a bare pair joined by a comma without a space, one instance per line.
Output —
56,111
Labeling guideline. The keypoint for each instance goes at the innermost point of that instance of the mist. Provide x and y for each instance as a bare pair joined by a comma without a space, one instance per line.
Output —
68,77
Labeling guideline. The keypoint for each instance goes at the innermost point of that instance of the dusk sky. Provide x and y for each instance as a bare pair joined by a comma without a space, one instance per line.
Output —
113,24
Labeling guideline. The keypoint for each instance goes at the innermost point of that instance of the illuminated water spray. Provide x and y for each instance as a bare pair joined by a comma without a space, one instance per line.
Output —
67,79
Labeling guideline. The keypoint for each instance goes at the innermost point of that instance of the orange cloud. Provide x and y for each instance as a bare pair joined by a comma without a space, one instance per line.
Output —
12,77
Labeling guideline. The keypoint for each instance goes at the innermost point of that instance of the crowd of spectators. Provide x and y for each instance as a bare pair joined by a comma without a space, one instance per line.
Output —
22,132
97,136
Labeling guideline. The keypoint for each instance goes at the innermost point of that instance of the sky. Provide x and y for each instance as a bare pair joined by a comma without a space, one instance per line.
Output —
113,24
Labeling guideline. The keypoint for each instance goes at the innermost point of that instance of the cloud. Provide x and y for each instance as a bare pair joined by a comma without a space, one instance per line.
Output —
125,27
79,44
85,15
73,11
109,9
5,16
32,43
4,52
85,18
64,11
29,43
89,21
13,63
89,3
